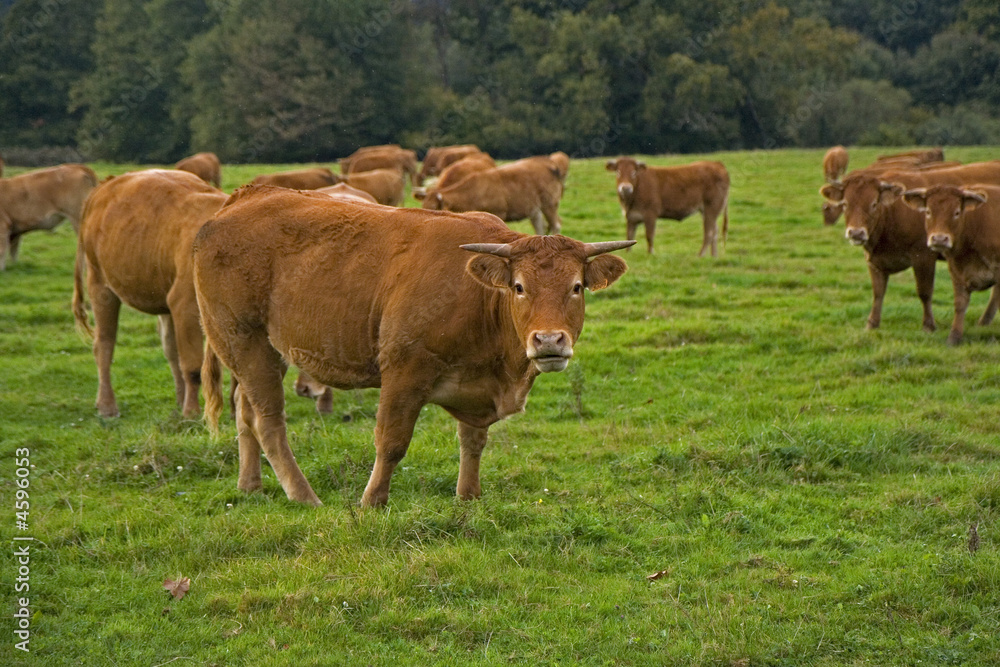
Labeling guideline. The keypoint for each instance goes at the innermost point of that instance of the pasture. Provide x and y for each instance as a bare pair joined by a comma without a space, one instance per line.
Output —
802,488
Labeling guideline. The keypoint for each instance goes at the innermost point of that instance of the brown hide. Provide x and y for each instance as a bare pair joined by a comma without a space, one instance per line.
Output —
385,185
528,188
345,191
205,166
345,162
135,244
647,193
835,163
438,158
963,224
891,233
400,159
916,157
459,171
299,179
370,296
41,200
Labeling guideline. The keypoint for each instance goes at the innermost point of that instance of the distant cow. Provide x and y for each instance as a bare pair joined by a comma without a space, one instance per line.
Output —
400,159
205,166
345,163
299,179
135,245
647,193
458,171
385,185
963,224
891,233
835,163
455,310
529,188
915,157
41,200
438,158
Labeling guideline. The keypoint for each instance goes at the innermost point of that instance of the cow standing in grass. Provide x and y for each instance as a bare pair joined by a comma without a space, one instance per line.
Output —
835,164
135,248
647,193
963,224
457,310
41,200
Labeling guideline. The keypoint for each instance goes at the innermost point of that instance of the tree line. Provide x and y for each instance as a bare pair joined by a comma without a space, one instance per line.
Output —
300,80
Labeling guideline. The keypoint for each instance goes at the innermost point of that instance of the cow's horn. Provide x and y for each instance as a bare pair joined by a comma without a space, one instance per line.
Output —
606,246
498,249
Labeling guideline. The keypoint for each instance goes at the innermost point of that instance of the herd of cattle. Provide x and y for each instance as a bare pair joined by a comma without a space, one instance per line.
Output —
442,305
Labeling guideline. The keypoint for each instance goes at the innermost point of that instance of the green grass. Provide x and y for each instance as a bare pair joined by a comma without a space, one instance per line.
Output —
807,486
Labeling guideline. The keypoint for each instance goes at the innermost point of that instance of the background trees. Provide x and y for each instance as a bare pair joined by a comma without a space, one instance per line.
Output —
313,79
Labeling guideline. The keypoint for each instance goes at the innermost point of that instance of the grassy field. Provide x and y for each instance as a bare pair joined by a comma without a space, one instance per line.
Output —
805,488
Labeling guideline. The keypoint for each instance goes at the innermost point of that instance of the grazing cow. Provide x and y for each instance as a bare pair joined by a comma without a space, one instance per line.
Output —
41,200
387,186
529,188
891,233
345,191
345,162
963,224
135,244
299,179
647,193
458,171
456,310
835,163
915,157
438,158
205,166
400,159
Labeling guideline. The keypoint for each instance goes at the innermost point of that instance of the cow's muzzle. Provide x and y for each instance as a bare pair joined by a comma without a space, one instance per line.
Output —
939,242
550,351
856,235
625,190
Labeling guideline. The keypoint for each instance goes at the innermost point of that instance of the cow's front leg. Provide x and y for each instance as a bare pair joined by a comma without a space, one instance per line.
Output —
961,306
15,244
650,223
398,410
5,240
471,440
923,273
880,279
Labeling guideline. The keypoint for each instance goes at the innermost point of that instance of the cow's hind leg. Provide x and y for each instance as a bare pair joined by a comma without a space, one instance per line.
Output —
189,343
249,479
471,440
537,221
15,245
165,327
709,231
260,370
5,240
106,306
991,307
398,410
551,214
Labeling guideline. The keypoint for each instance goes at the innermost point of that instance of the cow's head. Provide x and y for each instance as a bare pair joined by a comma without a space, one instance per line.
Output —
832,212
627,171
865,199
944,207
432,200
544,277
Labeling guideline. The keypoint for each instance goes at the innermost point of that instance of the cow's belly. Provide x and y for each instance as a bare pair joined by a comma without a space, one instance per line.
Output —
978,276
480,401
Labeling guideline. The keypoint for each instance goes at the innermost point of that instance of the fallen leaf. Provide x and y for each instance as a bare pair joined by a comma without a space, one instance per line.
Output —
179,588
659,575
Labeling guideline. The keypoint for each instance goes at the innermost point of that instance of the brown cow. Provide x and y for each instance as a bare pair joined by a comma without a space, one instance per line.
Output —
963,224
438,158
528,188
458,171
41,200
205,166
387,186
915,157
299,179
891,233
452,309
400,159
345,191
835,163
345,162
135,243
647,193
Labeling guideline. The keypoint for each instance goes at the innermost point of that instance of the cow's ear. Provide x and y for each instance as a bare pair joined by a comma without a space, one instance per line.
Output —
603,270
973,199
419,193
833,192
640,166
889,193
490,270
611,165
916,199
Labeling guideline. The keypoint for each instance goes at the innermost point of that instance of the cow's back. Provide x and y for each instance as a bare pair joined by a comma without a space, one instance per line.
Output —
61,190
681,190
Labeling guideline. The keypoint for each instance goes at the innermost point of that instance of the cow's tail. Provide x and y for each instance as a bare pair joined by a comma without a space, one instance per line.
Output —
211,386
79,300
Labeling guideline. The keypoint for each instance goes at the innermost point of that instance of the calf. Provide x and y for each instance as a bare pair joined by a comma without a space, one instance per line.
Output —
135,247
529,188
647,193
205,166
963,224
299,179
438,308
41,200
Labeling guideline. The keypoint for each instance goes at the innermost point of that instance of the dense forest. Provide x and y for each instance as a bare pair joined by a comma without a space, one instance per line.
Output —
301,80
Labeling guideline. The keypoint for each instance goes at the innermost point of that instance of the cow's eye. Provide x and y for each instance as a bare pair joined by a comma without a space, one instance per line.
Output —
519,288
577,288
